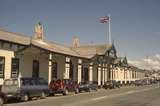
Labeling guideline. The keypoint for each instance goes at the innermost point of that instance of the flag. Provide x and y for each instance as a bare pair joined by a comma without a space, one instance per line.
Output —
104,19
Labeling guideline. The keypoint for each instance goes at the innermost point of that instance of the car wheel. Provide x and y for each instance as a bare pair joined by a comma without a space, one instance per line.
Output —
25,97
53,94
65,92
76,90
1,101
43,95
80,91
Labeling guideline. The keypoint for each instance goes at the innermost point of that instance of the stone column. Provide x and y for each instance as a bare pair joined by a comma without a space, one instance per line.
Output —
111,73
79,70
125,76
67,68
116,74
103,74
99,74
130,75
50,68
122,75
91,72
106,72
119,74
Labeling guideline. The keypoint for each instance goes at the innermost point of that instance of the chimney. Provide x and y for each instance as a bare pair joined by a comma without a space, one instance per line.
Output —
38,31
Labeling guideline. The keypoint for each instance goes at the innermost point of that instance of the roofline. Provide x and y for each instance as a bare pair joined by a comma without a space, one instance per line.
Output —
19,34
57,52
13,42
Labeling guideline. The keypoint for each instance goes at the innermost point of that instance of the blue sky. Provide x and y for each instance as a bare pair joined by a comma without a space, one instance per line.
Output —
135,23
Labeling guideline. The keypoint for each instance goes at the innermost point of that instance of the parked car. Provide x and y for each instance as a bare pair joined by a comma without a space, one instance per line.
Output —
146,81
88,86
25,88
63,86
138,82
2,98
111,84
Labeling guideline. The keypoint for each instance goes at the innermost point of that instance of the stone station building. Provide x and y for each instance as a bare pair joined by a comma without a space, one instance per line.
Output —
26,56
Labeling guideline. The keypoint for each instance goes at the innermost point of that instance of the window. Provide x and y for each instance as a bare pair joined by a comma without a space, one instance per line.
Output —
27,82
67,59
2,65
15,67
67,66
35,72
42,82
10,82
2,44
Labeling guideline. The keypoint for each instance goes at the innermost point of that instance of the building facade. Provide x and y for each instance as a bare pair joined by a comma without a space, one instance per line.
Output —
22,56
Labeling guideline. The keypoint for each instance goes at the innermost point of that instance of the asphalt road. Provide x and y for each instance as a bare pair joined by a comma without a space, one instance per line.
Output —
126,96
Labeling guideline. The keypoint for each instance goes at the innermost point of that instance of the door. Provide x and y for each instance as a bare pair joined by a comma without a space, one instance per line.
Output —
86,74
35,72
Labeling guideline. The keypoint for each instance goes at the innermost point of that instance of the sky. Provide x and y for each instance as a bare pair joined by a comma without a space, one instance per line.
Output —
135,24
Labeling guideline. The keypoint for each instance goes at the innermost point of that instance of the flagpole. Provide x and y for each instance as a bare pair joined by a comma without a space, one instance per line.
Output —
109,37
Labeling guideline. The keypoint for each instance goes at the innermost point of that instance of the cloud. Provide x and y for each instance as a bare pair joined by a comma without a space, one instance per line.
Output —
151,62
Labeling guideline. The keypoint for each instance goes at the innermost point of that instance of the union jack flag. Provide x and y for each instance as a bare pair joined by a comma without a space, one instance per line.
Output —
104,19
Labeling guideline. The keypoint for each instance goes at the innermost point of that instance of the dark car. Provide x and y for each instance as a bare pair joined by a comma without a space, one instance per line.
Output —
111,84
147,82
88,86
63,86
2,98
138,82
25,88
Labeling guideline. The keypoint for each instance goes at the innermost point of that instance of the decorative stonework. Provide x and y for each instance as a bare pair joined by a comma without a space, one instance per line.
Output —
75,42
38,32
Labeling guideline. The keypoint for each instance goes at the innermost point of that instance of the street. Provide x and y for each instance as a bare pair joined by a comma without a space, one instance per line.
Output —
148,95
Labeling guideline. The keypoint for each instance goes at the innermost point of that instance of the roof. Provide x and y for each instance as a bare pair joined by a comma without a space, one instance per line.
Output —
121,61
87,51
90,51
54,47
117,61
14,37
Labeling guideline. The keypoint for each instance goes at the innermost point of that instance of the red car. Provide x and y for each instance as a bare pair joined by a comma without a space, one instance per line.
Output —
63,86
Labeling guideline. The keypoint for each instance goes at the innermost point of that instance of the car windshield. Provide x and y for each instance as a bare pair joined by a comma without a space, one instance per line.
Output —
81,83
11,82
